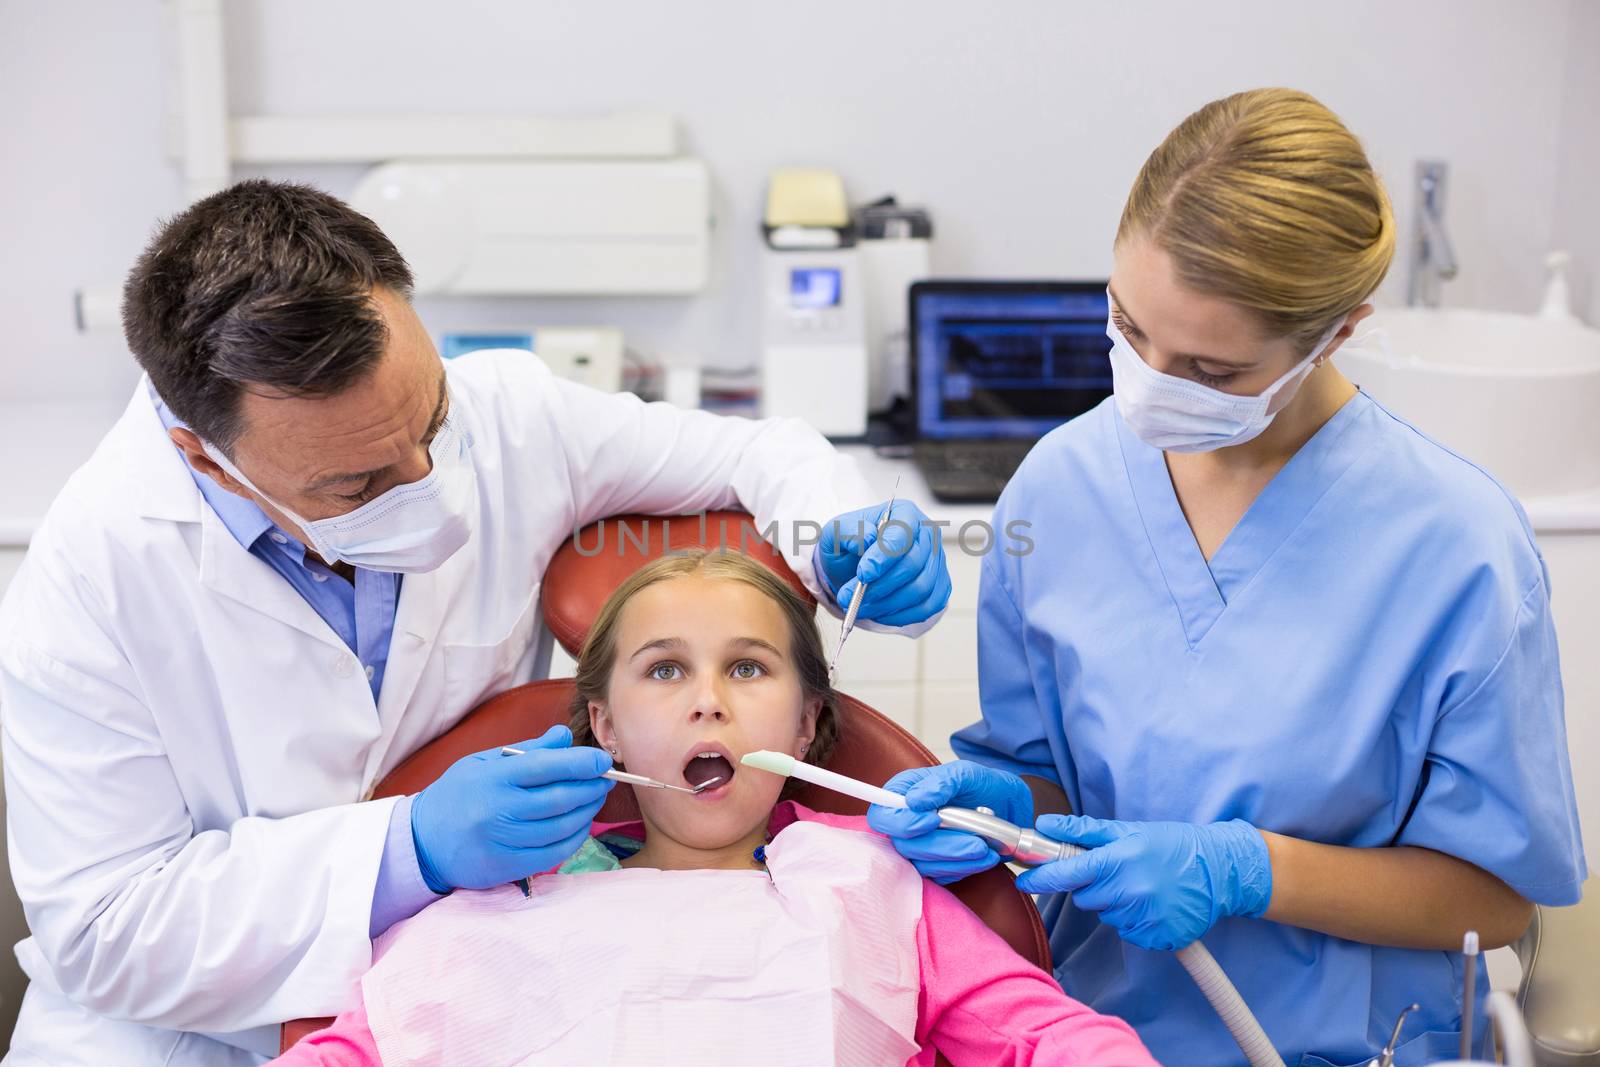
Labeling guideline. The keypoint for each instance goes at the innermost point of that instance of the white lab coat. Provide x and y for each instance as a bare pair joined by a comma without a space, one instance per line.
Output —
187,745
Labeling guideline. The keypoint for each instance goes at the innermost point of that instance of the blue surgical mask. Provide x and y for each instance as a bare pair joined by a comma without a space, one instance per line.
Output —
409,529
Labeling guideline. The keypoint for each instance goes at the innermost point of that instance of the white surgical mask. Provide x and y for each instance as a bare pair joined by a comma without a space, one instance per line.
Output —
1180,415
409,529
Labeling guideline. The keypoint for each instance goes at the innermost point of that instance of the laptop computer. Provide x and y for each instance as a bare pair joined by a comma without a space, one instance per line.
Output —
994,367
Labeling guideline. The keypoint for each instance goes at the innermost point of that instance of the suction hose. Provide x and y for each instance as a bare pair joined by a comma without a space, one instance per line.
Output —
1032,849
1229,1005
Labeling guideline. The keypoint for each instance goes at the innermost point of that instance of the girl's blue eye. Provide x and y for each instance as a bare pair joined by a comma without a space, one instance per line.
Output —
748,669
664,672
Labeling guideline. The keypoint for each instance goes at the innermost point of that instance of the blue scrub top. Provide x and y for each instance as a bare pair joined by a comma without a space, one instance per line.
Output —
1368,660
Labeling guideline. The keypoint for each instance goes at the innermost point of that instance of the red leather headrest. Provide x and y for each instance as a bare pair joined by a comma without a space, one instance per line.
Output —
587,569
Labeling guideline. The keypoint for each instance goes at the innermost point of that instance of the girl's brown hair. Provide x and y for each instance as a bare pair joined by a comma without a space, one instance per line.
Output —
599,652
1265,199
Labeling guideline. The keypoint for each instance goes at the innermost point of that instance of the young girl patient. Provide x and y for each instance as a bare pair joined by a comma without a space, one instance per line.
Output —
730,926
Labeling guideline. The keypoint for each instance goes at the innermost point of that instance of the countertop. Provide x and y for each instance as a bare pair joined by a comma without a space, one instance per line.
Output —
1576,513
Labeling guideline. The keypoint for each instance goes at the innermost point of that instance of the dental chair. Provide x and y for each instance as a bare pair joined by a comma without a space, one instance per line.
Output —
577,582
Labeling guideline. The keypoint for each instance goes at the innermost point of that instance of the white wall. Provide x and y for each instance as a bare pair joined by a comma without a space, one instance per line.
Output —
82,178
1020,126
1576,221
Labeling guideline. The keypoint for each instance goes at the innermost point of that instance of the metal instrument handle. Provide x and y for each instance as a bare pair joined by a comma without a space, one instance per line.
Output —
1016,844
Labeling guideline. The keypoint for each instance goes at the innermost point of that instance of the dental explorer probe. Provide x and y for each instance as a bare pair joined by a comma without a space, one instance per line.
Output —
861,589
632,779
1025,845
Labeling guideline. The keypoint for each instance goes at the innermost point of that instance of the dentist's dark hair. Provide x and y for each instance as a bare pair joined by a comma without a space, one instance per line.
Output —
593,675
264,286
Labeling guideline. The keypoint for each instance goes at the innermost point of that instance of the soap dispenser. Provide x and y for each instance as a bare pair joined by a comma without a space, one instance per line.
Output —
1557,298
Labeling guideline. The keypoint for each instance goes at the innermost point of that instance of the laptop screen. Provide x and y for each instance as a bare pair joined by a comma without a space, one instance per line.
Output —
1006,359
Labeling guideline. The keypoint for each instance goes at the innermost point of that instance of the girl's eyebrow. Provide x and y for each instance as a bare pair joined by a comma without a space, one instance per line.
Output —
675,644
667,643
756,642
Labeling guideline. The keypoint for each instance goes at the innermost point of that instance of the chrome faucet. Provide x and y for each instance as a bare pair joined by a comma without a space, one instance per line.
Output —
1433,260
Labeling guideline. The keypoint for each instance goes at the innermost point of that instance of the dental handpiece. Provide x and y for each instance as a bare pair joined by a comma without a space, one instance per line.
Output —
1012,843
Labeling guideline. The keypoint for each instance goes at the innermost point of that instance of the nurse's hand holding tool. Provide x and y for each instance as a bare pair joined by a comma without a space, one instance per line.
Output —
947,855
905,564
860,592
1029,847
490,820
1161,885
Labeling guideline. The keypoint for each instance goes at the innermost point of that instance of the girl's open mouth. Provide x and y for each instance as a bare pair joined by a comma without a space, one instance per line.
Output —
706,763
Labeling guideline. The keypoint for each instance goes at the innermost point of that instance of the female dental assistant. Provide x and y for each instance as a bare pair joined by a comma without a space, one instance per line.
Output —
1290,661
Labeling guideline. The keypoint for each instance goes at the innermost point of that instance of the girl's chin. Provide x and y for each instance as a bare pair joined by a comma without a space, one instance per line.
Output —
712,829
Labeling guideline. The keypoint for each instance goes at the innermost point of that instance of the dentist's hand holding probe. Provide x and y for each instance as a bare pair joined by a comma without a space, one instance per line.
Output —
907,578
492,819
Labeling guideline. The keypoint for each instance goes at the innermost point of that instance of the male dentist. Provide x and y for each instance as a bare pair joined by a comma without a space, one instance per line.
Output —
308,547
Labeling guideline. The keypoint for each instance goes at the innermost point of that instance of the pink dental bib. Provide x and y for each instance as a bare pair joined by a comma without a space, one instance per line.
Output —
815,965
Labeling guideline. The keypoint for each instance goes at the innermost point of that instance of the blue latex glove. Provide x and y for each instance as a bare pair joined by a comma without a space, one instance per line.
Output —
907,578
491,819
1162,885
949,855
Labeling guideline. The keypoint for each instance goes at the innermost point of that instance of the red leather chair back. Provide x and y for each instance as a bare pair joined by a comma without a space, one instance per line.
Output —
589,567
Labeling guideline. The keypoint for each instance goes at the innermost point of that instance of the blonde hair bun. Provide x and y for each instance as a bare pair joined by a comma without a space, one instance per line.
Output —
1265,199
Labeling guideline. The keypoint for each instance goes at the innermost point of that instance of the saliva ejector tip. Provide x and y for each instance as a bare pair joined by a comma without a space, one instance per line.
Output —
767,760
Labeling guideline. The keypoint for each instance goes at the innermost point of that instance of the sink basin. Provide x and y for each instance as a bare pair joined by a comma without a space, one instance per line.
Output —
1518,395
